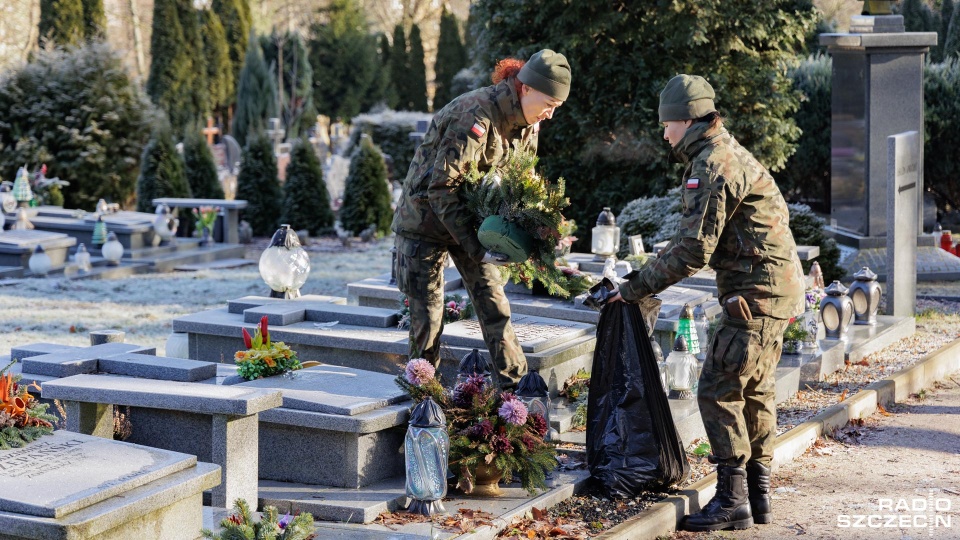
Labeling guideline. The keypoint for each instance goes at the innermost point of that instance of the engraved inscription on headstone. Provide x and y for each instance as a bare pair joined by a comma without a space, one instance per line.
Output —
904,166
524,331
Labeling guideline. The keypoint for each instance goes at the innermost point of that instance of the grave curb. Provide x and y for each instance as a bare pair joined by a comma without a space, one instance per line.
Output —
663,517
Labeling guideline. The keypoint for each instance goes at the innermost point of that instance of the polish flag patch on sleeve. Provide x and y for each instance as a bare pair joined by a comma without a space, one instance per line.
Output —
478,130
693,183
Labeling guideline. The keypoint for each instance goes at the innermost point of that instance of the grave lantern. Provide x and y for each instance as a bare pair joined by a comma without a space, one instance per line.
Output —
946,242
112,250
836,311
605,237
427,449
99,232
165,225
532,391
473,363
683,371
865,293
21,188
82,258
877,7
702,325
285,265
23,222
39,262
686,329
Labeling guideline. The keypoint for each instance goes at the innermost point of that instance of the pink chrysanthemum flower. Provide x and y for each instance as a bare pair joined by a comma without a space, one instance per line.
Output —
513,411
419,371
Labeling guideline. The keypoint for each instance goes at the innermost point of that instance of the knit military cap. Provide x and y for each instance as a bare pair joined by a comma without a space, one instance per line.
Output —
686,97
547,72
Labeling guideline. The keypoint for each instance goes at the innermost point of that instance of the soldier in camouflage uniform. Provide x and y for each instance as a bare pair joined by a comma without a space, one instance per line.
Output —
736,221
432,220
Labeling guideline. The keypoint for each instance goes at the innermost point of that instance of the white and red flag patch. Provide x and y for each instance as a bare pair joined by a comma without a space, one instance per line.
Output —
693,183
477,129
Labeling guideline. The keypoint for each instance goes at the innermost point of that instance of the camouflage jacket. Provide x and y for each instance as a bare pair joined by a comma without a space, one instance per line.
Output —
735,220
478,126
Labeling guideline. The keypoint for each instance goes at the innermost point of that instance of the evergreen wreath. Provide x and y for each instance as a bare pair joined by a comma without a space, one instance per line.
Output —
23,419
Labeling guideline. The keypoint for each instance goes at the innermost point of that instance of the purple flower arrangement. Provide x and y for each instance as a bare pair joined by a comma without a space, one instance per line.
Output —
486,426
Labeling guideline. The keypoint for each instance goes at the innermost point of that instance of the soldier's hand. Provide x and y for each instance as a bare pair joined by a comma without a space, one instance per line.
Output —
615,296
492,257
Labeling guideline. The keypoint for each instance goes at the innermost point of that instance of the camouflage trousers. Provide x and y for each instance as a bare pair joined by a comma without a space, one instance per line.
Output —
419,271
737,389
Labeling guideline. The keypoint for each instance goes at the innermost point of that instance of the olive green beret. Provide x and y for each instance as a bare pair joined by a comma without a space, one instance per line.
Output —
547,72
686,97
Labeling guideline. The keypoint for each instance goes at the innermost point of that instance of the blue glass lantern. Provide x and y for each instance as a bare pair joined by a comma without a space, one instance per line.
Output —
533,392
473,364
427,447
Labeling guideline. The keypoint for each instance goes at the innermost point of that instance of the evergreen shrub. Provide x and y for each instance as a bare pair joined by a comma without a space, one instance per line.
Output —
807,229
451,58
417,74
200,167
162,172
306,202
79,112
941,163
655,218
258,185
390,130
256,95
61,22
366,195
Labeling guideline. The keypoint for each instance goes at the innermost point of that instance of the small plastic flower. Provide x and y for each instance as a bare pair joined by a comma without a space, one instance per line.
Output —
419,371
513,411
284,521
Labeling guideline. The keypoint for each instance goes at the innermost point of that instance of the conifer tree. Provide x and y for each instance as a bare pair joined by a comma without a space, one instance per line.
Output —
913,15
382,89
951,43
256,94
306,202
451,58
170,82
344,59
94,19
400,68
418,72
235,18
61,21
216,54
162,172
366,194
298,113
200,168
199,102
258,185
943,31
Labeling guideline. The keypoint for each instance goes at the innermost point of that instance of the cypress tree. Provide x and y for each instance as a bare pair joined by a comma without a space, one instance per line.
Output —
451,58
199,97
200,168
94,19
256,94
400,68
951,43
418,72
235,18
162,173
216,54
61,21
306,202
366,194
344,59
383,89
297,79
913,15
258,185
169,82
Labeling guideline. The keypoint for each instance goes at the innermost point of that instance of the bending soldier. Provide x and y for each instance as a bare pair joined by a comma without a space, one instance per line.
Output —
735,220
432,220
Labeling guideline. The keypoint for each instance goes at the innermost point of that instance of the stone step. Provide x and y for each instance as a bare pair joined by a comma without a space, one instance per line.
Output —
10,272
215,265
167,263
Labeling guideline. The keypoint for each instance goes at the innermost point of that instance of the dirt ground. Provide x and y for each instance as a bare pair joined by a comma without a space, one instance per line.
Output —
896,476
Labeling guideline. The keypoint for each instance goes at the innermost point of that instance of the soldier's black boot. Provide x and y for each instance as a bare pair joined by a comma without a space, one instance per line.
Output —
728,509
758,483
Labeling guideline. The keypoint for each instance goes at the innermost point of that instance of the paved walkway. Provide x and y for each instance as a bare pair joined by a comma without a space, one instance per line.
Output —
897,476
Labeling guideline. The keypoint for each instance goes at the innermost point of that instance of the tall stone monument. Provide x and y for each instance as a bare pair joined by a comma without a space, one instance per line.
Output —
904,172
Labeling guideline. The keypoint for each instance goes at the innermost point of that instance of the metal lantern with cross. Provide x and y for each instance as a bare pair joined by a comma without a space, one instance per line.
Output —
284,265
836,311
865,293
605,237
426,452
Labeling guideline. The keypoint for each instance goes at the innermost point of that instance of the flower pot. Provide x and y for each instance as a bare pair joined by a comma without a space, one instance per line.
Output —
792,346
487,481
501,236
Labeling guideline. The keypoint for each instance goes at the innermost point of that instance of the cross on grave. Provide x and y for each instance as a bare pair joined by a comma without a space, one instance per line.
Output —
276,133
210,131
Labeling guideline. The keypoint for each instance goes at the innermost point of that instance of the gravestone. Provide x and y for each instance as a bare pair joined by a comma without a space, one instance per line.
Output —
16,247
904,161
69,485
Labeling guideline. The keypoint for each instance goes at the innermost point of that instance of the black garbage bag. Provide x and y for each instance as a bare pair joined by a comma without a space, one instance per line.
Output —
632,442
